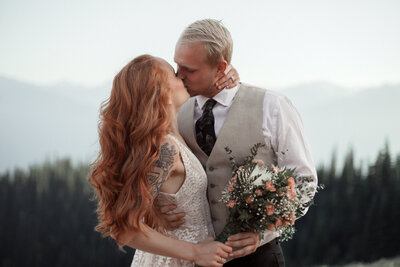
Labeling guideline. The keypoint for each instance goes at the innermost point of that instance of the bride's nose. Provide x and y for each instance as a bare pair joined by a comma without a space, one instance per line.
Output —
180,74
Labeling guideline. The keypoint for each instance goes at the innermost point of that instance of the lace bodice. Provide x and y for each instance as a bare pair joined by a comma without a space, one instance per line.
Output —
191,198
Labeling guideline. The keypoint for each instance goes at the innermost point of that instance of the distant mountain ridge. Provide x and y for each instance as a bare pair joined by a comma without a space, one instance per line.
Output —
311,94
361,120
43,122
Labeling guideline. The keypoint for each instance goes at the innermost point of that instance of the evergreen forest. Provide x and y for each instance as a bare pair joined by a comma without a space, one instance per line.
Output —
47,217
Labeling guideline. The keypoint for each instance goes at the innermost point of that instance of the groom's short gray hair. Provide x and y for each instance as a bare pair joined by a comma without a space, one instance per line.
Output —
215,36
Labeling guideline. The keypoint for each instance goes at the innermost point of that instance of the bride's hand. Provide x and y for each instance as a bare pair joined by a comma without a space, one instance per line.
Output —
229,80
211,253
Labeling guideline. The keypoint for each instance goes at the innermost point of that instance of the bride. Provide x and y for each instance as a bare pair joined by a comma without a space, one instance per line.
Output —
143,160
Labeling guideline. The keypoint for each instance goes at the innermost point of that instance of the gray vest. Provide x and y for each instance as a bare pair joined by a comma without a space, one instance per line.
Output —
240,131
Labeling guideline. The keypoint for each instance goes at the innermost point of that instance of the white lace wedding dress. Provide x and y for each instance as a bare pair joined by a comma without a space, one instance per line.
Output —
191,199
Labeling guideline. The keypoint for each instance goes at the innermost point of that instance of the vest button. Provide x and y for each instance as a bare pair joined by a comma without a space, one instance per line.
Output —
212,185
211,168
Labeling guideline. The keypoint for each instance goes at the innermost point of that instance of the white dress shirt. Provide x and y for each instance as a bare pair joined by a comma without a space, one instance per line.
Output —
282,129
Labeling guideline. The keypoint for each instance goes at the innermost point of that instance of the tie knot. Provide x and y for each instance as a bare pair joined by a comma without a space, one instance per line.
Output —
209,104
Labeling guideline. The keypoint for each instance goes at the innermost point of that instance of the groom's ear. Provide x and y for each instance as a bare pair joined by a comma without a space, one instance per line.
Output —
221,68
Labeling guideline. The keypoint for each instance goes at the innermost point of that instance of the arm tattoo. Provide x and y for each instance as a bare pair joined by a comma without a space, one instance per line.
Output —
161,167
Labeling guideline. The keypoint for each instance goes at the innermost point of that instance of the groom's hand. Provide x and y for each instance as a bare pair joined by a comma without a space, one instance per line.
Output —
246,243
171,220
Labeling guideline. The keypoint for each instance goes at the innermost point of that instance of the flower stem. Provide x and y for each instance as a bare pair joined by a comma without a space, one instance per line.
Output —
226,232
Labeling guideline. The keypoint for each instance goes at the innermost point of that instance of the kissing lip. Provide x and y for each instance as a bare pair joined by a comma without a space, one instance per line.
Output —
186,87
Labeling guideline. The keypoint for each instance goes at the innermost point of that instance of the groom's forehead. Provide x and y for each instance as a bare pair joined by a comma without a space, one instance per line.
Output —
185,63
190,54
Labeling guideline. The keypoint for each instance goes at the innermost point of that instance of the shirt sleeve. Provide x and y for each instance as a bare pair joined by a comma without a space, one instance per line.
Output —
284,132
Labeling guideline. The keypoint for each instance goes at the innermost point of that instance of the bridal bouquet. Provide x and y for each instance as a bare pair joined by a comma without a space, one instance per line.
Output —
263,197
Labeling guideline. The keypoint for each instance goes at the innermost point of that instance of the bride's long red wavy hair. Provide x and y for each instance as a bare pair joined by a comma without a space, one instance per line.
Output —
132,123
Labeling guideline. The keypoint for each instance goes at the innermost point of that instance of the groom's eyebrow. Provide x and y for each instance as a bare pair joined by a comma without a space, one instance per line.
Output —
186,67
181,65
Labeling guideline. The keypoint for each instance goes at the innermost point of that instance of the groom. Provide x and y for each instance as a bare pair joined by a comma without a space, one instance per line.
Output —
240,117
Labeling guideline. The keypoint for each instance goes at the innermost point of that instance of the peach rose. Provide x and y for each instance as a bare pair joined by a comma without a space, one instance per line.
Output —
231,203
270,186
278,222
250,199
259,192
231,188
270,209
291,184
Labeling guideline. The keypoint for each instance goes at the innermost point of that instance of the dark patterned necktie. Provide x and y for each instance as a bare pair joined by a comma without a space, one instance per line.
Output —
205,133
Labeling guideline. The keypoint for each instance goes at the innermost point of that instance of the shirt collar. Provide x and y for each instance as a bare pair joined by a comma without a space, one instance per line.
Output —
225,97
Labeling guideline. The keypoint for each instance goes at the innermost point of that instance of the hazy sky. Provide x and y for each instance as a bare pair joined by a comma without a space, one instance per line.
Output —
354,43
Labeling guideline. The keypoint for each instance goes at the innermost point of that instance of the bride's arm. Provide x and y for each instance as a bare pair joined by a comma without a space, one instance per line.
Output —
207,253
229,80
163,177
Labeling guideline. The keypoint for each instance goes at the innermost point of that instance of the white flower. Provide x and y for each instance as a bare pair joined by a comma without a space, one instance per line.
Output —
263,175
